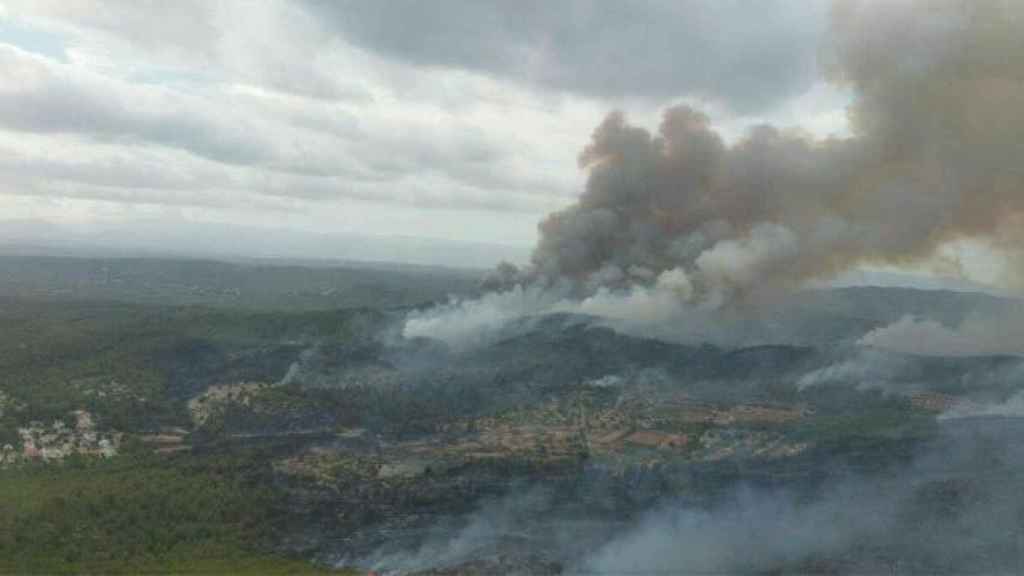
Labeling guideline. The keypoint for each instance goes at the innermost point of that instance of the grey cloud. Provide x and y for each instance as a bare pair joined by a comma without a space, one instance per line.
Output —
420,191
271,44
135,196
286,157
256,124
116,172
322,149
472,158
748,55
43,98
181,28
162,177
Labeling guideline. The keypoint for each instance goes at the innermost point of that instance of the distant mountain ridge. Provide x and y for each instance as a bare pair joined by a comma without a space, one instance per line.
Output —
233,242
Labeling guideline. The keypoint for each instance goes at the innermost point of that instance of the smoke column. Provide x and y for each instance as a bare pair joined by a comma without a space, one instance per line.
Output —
679,229
936,155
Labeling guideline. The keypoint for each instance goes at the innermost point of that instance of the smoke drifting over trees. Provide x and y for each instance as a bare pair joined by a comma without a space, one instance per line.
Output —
934,158
680,228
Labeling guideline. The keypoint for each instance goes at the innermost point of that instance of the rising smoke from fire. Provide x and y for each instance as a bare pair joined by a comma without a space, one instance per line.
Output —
935,157
682,220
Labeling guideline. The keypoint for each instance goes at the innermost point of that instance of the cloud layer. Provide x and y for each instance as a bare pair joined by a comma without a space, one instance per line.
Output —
419,119
747,56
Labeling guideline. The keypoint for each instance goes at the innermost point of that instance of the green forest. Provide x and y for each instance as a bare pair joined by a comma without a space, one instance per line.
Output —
143,514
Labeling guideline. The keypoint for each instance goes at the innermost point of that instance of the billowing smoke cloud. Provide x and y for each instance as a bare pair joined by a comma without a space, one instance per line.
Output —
659,308
678,223
934,158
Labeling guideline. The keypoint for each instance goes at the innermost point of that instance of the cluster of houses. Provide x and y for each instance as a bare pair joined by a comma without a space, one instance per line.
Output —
217,397
721,443
103,388
57,441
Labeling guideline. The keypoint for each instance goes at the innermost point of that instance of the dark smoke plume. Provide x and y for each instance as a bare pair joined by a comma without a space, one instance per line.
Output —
936,156
681,229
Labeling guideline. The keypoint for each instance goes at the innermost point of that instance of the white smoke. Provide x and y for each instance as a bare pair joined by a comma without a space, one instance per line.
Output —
1013,407
865,370
755,532
467,323
667,298
737,264
665,308
977,335
481,533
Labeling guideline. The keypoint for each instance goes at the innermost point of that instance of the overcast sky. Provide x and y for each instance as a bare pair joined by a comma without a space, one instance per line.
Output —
454,120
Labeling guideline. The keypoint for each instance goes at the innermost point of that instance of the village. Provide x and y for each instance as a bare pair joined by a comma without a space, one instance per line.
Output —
555,433
57,441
